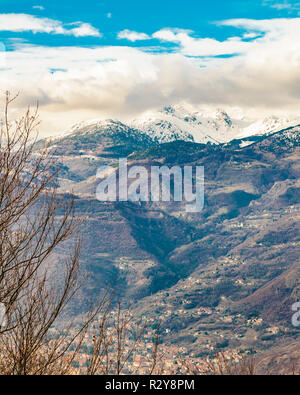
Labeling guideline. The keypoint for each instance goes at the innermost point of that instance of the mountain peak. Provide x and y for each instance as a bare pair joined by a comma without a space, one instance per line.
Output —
223,117
178,122
168,109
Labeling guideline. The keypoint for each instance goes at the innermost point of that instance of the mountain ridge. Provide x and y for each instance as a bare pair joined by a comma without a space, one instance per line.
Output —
176,123
209,278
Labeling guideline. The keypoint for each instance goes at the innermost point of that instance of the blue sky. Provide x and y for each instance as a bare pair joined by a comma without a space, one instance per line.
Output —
113,16
120,58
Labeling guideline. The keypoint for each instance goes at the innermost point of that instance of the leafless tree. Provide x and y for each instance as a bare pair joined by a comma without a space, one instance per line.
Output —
35,219
118,340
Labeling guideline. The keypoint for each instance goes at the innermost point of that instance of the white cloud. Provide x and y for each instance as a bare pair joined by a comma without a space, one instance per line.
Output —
250,35
201,46
189,45
109,15
133,36
26,22
282,5
84,30
38,7
262,78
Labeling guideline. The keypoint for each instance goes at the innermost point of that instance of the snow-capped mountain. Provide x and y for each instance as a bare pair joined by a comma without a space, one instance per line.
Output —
267,126
173,123
176,123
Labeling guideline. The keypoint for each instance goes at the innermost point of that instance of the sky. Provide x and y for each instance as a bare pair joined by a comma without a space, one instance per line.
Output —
119,59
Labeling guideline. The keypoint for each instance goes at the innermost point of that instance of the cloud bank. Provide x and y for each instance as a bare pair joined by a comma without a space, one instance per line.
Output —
31,23
257,70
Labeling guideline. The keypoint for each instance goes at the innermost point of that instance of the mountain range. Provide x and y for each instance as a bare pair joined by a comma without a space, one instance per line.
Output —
225,277
173,123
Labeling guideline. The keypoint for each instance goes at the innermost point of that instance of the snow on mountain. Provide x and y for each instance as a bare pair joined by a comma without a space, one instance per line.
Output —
108,127
267,126
173,123
94,125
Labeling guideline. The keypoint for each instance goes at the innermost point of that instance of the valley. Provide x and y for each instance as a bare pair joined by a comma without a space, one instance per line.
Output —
224,278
